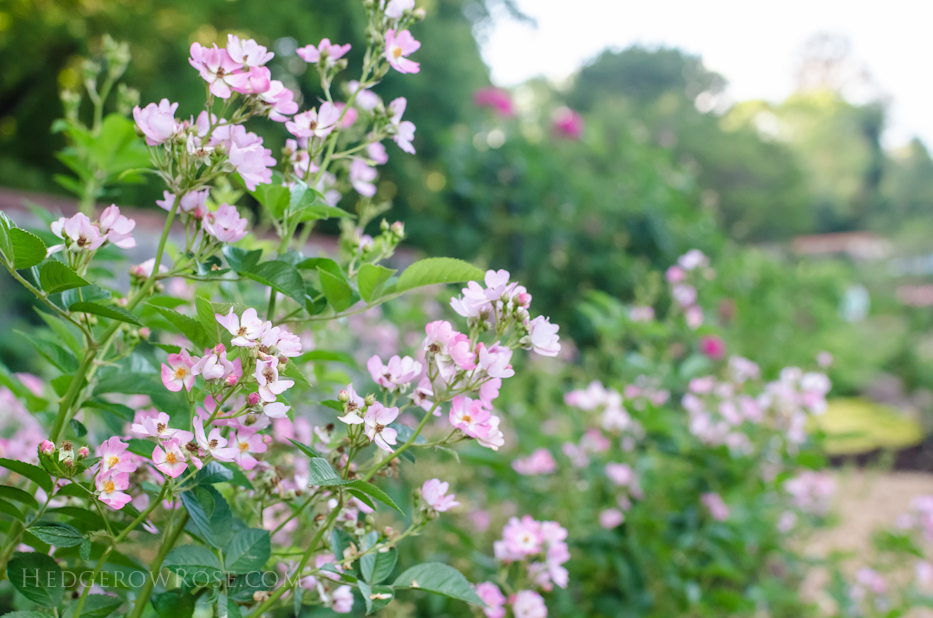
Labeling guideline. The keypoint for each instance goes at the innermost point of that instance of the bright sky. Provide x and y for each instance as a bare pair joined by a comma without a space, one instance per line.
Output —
754,44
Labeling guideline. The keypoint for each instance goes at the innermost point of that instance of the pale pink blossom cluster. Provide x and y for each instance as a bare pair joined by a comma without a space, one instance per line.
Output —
397,375
718,411
867,581
683,293
715,505
80,235
539,462
540,545
792,398
592,441
921,516
614,417
811,491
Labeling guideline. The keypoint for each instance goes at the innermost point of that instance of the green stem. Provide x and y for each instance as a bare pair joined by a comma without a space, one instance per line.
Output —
312,548
168,542
87,588
142,516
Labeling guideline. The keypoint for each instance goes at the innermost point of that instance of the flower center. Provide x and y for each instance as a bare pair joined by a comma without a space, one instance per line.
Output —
467,418
212,444
81,241
244,446
170,458
434,348
397,52
112,461
180,373
160,427
241,331
268,374
109,487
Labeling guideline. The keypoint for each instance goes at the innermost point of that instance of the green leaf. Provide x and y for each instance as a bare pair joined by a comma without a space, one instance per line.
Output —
326,355
85,550
66,331
322,474
194,561
174,604
95,606
107,311
207,318
62,383
379,567
37,577
55,277
63,359
336,289
307,204
370,280
281,277
370,489
248,551
8,509
437,270
131,383
240,259
18,495
59,535
189,327
88,293
27,614
439,578
79,428
143,448
31,472
273,196
293,371
28,249
213,472
307,450
377,598
210,514
125,413
6,244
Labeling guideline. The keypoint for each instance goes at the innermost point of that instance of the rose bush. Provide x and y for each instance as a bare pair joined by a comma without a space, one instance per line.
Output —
198,461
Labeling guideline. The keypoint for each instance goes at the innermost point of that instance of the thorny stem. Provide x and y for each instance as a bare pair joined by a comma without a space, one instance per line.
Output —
168,542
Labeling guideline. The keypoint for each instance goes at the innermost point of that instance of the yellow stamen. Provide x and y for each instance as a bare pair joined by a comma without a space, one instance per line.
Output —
109,487
170,457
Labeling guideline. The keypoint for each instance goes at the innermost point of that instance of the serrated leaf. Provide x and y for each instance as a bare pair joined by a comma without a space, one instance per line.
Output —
18,495
174,604
37,577
370,280
213,472
383,564
28,249
379,597
63,359
207,318
88,293
437,270
107,311
322,474
65,331
248,551
192,560
59,535
210,514
8,509
307,204
62,383
85,550
56,277
307,450
241,259
273,196
131,383
375,492
293,371
439,578
281,277
189,327
336,289
31,472
95,606
125,413
6,245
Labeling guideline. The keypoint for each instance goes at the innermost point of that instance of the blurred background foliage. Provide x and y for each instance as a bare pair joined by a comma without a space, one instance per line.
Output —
666,162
